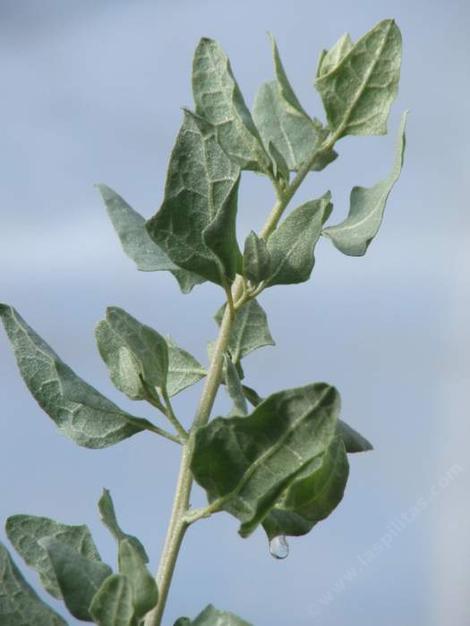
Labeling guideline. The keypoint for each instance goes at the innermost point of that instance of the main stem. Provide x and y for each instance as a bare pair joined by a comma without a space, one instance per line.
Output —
178,524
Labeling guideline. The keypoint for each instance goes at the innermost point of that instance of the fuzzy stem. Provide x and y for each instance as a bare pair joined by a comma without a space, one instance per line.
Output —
179,518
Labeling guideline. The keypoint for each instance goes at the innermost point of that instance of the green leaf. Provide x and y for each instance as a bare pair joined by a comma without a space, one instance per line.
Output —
109,519
136,242
219,100
249,331
81,412
314,494
234,388
213,617
292,244
353,441
183,621
183,369
143,586
112,603
25,533
79,578
329,59
246,463
367,204
137,356
195,225
358,84
19,603
256,259
284,124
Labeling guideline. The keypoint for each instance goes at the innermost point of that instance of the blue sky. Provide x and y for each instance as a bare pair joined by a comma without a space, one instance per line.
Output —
92,92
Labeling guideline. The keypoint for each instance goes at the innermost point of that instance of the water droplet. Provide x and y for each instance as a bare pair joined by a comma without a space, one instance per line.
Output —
278,547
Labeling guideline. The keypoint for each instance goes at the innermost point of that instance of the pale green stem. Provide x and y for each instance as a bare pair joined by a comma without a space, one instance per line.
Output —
179,520
172,417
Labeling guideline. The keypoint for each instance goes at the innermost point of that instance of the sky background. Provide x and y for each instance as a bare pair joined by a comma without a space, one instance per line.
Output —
92,92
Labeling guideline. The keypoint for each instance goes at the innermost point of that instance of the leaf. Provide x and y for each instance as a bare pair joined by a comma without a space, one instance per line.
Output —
109,519
195,225
358,90
136,242
219,100
329,59
313,495
134,353
367,204
246,463
284,124
234,388
112,603
143,586
79,578
213,617
353,441
249,331
256,259
25,533
79,410
19,603
183,369
291,245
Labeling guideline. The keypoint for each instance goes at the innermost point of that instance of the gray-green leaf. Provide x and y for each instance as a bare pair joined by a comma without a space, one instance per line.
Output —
79,578
367,204
184,370
353,441
283,122
112,603
358,84
136,242
25,533
249,331
246,463
314,494
136,355
81,412
234,387
143,586
19,603
213,617
291,246
256,259
195,225
219,100
109,519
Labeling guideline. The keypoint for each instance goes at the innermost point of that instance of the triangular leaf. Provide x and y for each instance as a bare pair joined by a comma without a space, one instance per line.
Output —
246,463
256,259
367,204
25,533
213,617
358,91
81,412
19,603
134,353
283,122
291,245
353,441
184,370
234,388
249,331
219,100
314,494
195,225
109,519
112,603
143,586
79,578
136,242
